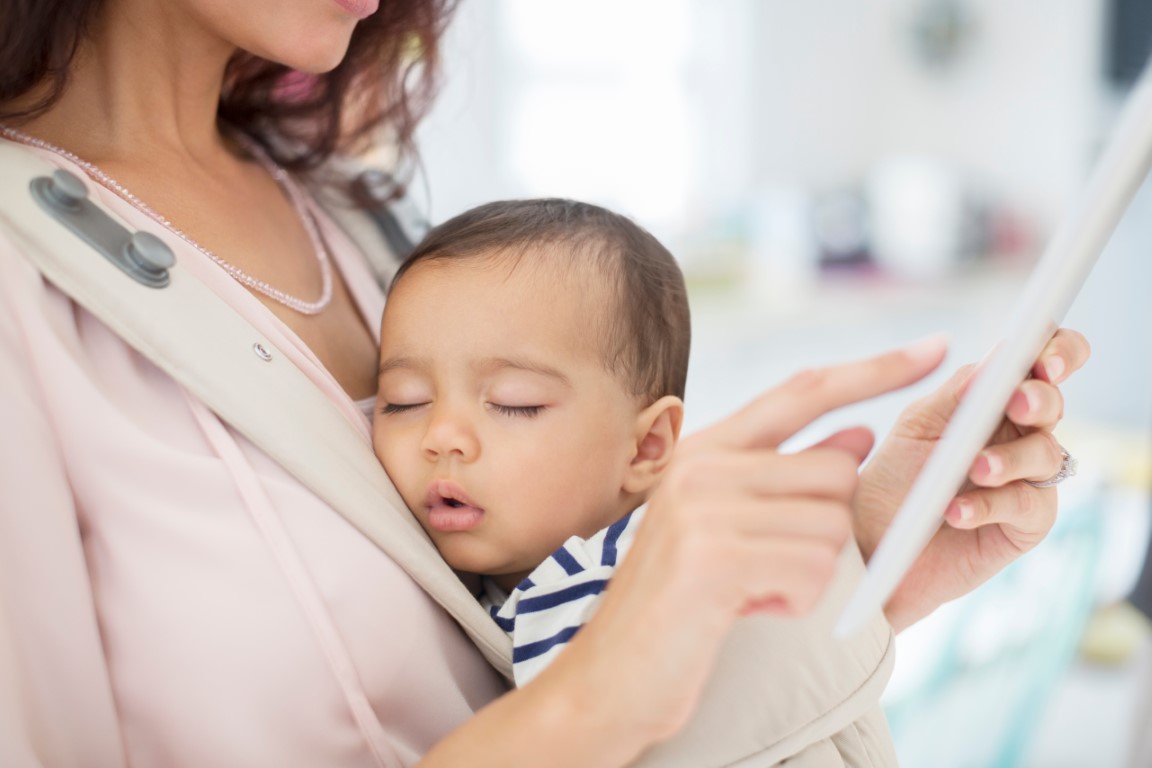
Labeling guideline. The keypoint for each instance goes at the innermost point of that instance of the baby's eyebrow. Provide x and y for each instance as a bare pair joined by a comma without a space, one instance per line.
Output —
488,364
394,363
524,364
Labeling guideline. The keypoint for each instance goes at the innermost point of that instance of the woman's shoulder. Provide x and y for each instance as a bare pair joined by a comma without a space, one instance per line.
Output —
18,275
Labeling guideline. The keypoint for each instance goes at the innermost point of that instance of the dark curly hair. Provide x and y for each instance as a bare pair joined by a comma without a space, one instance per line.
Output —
386,80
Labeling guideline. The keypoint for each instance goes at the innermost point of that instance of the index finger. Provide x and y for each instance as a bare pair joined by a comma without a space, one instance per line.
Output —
784,410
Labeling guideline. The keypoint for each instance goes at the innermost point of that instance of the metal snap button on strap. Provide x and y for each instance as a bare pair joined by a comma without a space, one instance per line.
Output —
142,256
262,352
66,191
149,259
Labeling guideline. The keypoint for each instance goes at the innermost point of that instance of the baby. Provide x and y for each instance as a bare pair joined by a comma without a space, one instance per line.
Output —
532,368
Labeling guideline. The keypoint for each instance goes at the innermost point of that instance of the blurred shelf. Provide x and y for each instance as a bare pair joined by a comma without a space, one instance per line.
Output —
831,299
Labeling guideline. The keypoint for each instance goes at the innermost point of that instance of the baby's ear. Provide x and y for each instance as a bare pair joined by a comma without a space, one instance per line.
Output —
657,429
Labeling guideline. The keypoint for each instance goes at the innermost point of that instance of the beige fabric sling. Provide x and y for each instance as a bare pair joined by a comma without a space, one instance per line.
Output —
782,690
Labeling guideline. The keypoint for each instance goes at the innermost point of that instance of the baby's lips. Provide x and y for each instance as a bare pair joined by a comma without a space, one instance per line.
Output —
448,519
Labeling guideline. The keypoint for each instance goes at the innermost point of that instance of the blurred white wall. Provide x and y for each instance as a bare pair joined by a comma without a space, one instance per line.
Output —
809,93
689,115
839,85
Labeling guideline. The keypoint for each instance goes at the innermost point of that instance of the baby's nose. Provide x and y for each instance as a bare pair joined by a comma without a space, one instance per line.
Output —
451,435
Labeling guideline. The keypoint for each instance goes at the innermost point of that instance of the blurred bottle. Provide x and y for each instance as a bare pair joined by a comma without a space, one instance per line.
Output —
783,256
918,214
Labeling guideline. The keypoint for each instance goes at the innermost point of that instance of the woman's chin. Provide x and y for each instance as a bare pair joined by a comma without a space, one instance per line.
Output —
320,64
321,52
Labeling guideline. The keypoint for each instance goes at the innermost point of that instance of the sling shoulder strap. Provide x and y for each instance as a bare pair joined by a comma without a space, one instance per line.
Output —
213,358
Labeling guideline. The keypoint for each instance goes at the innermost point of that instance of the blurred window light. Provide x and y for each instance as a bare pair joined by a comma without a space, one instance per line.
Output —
599,102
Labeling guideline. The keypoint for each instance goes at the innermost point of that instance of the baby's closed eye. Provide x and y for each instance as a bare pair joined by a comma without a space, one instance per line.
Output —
528,411
393,408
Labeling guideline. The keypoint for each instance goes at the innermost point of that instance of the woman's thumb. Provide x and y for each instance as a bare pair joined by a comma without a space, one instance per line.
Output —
857,441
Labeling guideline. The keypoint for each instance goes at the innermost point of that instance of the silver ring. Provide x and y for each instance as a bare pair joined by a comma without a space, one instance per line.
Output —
1067,469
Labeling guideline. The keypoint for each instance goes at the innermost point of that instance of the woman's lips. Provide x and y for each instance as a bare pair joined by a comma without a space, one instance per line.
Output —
450,509
361,9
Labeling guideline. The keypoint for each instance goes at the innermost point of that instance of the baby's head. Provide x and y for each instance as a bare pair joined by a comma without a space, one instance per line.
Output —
532,368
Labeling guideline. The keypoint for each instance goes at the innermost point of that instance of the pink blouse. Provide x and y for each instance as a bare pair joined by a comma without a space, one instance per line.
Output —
170,596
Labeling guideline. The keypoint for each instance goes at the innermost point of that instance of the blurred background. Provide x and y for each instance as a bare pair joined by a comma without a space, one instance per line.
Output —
838,177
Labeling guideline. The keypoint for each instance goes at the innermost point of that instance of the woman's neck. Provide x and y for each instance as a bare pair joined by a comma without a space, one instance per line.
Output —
145,84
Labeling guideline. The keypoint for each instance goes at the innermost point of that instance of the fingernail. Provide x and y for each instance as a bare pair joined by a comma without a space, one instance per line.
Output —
989,465
1025,400
927,348
959,512
1054,368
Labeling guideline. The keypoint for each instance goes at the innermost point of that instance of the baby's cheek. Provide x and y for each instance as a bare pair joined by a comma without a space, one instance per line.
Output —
394,467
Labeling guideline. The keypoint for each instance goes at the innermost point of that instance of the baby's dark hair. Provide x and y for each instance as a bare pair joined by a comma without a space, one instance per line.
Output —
646,333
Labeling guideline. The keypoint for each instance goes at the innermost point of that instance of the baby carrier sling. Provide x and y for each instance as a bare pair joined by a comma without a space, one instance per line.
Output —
783,691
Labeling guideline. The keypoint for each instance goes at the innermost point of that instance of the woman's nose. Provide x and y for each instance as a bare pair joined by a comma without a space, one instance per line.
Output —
450,434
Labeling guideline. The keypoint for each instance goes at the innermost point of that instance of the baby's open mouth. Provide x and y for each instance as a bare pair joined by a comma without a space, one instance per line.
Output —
449,508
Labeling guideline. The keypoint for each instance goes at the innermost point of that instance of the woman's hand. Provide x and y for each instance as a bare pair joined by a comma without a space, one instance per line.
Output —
997,517
734,527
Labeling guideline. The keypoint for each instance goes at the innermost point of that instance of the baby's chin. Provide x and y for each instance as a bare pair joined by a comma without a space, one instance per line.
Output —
463,558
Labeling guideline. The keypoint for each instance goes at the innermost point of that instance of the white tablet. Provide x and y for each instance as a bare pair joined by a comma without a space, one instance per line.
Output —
1049,293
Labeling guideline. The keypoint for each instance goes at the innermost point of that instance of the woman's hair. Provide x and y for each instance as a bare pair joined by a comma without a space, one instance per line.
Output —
644,328
385,82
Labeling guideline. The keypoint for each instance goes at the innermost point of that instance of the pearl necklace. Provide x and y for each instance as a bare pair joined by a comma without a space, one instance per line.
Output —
278,174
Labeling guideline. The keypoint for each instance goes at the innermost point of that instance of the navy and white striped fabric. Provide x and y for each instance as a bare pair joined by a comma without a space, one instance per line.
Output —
558,597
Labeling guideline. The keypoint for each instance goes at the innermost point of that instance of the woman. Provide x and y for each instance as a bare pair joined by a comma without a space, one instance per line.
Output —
171,595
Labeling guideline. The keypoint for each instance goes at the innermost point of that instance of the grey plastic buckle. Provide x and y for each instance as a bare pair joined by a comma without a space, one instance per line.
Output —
143,256
395,216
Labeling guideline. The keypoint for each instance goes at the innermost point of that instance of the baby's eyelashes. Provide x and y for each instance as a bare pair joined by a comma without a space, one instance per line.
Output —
528,411
392,408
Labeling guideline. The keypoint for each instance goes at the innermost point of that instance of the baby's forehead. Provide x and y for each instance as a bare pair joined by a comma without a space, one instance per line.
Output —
551,268
579,293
